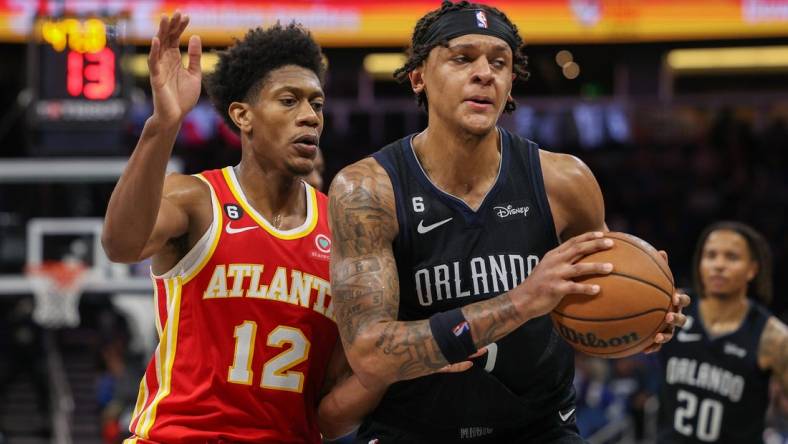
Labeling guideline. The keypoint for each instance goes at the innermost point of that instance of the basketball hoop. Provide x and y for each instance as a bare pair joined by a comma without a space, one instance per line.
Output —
57,287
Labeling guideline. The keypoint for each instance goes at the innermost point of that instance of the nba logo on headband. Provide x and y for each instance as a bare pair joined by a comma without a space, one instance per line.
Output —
481,19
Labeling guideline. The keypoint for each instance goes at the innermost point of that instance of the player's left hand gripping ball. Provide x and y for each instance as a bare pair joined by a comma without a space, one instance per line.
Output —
674,318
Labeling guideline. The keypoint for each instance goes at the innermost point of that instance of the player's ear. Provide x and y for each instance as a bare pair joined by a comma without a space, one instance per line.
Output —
417,79
509,98
752,271
241,114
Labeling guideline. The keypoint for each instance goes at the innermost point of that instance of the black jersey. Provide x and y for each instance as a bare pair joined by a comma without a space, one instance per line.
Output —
448,256
713,390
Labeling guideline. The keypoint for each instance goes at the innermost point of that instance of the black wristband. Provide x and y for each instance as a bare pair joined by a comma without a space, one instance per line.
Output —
452,332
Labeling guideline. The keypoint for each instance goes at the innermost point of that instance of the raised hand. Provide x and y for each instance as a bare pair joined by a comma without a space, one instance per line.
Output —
175,88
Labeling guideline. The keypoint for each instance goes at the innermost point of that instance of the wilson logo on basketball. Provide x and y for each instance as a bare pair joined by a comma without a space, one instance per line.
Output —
591,340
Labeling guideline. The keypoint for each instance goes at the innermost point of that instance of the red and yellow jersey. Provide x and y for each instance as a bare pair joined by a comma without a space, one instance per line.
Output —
246,327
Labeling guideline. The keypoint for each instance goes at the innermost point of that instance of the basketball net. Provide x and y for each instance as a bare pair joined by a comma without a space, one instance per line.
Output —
57,287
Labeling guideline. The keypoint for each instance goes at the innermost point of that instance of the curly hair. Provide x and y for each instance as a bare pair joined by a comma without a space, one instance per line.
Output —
243,67
761,287
419,49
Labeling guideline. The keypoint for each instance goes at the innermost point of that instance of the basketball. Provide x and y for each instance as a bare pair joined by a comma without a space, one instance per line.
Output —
629,310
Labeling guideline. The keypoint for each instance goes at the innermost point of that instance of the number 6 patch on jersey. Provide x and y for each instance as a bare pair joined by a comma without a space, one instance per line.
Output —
234,212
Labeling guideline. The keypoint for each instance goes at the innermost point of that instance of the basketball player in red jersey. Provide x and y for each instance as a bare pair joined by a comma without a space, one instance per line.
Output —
248,341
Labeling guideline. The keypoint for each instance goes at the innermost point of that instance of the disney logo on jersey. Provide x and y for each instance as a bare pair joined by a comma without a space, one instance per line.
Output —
512,211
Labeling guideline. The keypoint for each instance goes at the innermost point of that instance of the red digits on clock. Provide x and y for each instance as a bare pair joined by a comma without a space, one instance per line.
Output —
91,74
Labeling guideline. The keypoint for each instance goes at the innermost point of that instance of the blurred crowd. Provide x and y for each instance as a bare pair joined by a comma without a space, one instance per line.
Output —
686,167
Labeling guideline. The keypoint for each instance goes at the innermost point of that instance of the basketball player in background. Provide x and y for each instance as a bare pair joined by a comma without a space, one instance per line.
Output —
460,237
248,342
717,369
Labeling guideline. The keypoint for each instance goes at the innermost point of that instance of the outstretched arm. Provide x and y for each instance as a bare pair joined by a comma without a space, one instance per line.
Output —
773,350
142,214
365,285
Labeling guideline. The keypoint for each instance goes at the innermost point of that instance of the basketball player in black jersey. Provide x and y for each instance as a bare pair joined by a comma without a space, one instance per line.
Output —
718,366
461,237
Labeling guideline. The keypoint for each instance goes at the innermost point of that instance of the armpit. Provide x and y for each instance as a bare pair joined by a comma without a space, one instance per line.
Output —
574,195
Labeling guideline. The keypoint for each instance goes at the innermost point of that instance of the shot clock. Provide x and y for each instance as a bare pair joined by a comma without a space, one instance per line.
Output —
78,89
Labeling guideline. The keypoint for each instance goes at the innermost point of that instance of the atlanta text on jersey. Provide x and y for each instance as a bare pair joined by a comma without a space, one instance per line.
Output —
230,281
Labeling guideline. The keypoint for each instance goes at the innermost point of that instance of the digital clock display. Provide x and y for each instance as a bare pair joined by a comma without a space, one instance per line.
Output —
76,75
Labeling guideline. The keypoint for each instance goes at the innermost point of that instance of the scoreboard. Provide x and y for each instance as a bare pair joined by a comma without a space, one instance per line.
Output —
75,73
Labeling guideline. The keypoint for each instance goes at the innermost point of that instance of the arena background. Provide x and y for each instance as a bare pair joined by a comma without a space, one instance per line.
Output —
680,107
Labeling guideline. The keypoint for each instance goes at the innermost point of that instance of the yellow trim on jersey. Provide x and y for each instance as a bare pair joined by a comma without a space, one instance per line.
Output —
142,398
217,232
157,318
168,334
311,211
159,354
166,354
130,440
198,256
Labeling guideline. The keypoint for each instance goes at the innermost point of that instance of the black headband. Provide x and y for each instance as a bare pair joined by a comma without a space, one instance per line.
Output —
470,21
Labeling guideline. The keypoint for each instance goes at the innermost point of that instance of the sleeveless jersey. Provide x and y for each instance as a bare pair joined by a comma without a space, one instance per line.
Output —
246,327
713,390
448,256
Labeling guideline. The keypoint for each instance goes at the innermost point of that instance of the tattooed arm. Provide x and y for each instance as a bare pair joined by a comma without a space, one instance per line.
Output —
773,350
365,285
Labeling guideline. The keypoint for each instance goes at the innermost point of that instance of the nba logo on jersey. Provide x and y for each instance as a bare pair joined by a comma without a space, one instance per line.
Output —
461,328
481,19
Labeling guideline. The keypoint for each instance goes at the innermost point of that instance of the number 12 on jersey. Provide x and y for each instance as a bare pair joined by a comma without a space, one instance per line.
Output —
276,372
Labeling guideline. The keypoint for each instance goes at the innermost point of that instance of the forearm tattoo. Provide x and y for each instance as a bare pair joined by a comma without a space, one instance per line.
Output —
364,280
492,319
